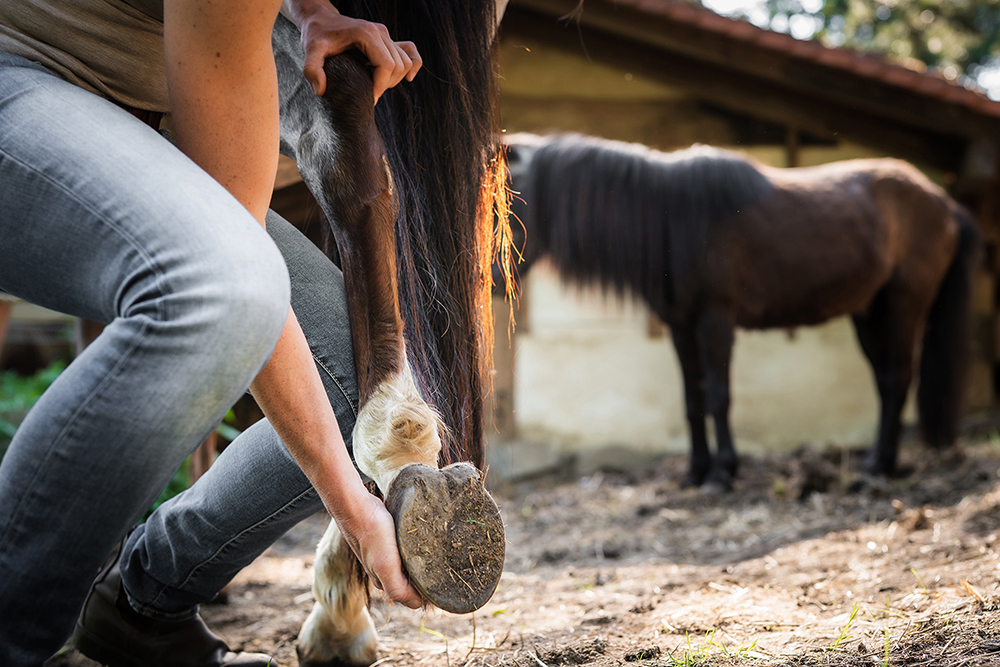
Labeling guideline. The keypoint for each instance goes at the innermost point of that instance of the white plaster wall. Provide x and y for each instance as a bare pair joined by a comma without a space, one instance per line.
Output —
588,377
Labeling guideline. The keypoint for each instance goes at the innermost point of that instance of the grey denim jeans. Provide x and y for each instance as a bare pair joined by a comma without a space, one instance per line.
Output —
102,218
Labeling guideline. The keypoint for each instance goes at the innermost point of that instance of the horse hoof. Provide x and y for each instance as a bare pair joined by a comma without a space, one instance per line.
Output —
875,467
450,535
694,479
718,483
714,488
690,482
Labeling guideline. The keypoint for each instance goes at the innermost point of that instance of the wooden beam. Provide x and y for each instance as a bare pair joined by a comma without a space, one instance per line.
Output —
732,89
747,51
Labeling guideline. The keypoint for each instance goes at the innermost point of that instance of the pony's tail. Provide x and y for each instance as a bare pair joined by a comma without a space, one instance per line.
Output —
945,356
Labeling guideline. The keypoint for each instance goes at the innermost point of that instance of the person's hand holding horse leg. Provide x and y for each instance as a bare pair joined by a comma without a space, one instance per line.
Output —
326,32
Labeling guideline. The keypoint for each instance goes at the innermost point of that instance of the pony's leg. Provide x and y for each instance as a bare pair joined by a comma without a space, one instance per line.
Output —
694,401
395,429
887,336
714,333
448,528
339,630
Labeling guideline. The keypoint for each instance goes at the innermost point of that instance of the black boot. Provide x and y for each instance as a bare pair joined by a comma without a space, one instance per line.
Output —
112,633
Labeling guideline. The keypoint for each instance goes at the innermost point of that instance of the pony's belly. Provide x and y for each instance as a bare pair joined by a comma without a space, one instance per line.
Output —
806,309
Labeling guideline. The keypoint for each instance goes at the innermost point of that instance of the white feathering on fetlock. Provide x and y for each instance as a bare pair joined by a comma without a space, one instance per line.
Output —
339,628
396,428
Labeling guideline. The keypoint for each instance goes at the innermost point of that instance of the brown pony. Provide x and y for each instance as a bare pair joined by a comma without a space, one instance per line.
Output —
713,241
405,189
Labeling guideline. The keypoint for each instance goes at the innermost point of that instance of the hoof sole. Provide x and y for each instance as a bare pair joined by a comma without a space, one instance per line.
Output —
450,534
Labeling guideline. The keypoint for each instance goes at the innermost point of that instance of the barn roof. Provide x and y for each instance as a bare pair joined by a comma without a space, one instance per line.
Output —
825,91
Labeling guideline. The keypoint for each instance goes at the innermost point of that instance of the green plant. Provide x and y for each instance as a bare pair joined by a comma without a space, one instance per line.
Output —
689,657
180,481
843,633
18,394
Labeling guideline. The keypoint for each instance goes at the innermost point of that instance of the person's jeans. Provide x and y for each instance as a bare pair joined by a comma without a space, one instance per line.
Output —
102,218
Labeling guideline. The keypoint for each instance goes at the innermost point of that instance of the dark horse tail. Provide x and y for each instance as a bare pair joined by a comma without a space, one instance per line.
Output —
441,133
945,355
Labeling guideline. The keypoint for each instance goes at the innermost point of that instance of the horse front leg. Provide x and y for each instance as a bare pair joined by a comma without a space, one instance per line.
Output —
339,630
445,520
887,337
700,461
715,336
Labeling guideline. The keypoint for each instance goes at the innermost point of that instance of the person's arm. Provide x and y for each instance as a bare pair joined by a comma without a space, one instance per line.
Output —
223,89
223,95
326,32
291,394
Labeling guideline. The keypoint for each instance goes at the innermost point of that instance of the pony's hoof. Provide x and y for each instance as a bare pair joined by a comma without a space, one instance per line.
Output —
693,479
713,489
873,465
450,535
718,483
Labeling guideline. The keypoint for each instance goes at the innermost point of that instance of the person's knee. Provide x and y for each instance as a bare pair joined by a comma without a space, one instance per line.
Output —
258,294
243,297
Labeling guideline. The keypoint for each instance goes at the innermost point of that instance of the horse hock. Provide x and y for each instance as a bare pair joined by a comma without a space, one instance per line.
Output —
450,534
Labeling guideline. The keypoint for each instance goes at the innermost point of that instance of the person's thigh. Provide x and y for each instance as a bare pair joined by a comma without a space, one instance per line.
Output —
255,492
102,218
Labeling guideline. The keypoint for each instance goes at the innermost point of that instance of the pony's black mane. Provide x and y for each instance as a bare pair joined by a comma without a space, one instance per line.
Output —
628,217
440,133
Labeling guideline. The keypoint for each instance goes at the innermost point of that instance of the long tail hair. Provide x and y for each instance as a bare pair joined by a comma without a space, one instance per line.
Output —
441,133
625,216
945,354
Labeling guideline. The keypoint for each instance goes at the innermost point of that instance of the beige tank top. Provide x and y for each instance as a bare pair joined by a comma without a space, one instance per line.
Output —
111,47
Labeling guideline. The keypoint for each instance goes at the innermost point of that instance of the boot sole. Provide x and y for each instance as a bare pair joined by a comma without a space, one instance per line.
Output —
98,651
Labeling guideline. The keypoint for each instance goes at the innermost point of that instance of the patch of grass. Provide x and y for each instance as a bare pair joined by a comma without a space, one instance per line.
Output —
843,633
702,655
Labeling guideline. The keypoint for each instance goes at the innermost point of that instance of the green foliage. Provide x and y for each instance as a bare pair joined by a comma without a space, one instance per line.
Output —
843,633
955,38
180,481
18,394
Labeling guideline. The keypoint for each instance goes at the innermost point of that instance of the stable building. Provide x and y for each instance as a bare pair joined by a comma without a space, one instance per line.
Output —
590,380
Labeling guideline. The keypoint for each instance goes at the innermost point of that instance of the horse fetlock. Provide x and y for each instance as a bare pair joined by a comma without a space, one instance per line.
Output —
325,640
395,428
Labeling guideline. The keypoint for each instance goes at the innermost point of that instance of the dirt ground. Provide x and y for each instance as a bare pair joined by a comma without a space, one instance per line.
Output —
805,563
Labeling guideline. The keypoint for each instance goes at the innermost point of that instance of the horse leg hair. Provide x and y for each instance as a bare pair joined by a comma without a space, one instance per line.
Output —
714,332
694,400
340,615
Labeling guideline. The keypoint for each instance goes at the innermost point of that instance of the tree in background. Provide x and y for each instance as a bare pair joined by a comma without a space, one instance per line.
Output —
958,39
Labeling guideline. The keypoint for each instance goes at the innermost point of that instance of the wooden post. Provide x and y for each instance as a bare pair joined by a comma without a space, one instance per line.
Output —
87,332
6,307
502,404
792,144
202,458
